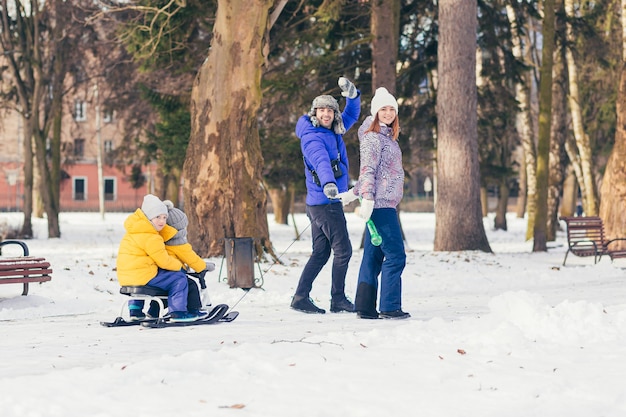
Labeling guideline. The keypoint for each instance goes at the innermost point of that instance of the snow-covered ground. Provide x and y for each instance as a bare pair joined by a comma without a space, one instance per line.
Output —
511,333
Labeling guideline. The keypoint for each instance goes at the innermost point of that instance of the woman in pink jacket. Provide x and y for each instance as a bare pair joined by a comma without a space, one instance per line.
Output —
380,187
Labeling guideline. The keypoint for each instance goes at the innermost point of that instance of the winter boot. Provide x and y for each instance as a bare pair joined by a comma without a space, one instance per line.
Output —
365,301
339,305
183,316
396,314
135,310
154,310
305,305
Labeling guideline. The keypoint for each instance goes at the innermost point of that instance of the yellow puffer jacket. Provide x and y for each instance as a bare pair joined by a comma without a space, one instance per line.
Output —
186,255
142,251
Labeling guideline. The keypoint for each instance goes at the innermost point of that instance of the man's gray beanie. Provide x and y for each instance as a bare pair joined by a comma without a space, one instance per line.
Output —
328,102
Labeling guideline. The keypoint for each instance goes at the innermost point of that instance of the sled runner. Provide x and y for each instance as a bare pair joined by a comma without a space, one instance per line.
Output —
219,314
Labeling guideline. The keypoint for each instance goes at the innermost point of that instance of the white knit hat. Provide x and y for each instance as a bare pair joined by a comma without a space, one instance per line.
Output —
153,207
381,99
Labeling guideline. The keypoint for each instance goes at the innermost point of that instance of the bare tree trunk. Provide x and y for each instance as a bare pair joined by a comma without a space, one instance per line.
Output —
545,116
574,158
459,224
522,193
38,205
50,162
38,31
27,227
385,28
528,185
559,132
46,188
570,194
499,221
224,193
171,184
613,190
590,200
281,204
484,201
55,142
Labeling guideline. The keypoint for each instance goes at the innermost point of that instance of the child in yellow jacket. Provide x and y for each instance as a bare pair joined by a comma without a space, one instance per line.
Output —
143,259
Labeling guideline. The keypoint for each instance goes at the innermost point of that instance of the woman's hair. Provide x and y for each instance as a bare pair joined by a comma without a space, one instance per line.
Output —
375,126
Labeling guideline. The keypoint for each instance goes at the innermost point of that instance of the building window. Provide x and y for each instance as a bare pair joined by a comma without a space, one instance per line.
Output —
107,116
79,148
108,146
79,188
109,189
80,110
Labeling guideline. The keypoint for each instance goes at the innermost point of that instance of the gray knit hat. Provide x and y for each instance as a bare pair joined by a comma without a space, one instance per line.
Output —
179,221
329,102
153,207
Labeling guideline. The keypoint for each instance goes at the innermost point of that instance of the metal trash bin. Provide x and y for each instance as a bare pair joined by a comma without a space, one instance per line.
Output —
239,252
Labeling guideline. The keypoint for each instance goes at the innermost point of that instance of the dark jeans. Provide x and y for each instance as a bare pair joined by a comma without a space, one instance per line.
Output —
329,232
388,259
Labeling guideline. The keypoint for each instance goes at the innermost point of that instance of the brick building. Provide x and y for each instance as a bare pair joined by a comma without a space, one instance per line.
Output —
86,129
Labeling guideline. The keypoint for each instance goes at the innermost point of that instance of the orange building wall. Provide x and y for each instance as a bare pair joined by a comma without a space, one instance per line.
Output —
125,197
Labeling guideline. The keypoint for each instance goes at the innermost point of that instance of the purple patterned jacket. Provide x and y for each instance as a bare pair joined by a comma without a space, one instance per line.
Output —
381,177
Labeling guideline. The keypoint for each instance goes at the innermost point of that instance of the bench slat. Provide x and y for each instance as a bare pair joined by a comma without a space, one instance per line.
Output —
33,267
23,274
20,280
4,259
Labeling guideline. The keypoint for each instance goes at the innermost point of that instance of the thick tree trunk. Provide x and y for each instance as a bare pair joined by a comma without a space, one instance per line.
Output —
459,223
613,190
545,116
224,193
613,201
385,22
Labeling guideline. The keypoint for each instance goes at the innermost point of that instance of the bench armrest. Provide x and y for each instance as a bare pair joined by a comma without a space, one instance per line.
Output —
16,242
615,240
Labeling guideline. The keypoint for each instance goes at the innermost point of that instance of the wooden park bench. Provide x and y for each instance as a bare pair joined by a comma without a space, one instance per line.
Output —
586,237
23,269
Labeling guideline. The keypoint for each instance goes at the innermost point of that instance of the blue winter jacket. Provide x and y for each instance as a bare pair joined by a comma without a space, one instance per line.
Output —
321,145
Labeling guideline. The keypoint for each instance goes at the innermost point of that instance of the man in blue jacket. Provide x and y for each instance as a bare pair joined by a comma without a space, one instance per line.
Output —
326,171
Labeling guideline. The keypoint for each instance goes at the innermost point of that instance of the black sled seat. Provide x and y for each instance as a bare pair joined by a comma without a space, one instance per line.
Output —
144,293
